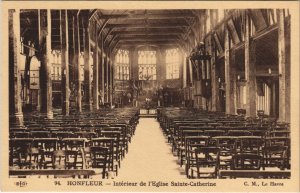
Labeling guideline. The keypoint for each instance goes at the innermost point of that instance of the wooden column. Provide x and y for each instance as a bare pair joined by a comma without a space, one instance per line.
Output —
134,64
87,66
106,73
233,84
64,38
77,63
229,77
102,80
45,69
284,87
15,102
110,78
184,68
95,72
250,74
163,68
214,81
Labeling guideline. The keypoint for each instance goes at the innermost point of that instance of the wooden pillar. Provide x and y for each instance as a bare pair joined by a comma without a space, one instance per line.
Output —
107,77
134,64
111,75
95,72
77,63
163,68
184,68
230,86
15,102
64,38
45,69
233,84
250,72
214,82
284,85
227,71
103,88
102,82
87,66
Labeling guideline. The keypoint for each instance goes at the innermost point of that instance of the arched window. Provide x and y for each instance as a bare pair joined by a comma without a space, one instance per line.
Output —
147,65
173,60
122,65
55,61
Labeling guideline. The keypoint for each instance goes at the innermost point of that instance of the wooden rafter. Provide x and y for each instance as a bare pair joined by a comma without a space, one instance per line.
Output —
233,32
102,27
217,40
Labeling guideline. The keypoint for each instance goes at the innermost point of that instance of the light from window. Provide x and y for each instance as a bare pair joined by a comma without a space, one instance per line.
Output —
122,65
55,62
147,65
172,63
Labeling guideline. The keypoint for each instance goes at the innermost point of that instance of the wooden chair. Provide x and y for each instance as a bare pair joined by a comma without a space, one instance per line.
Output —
247,162
18,151
191,143
62,134
275,156
74,143
181,149
40,134
228,148
213,133
113,156
239,133
85,134
119,146
19,134
34,158
64,159
207,162
250,144
99,157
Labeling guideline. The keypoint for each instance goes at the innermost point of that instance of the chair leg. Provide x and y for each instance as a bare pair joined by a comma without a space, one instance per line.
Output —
116,170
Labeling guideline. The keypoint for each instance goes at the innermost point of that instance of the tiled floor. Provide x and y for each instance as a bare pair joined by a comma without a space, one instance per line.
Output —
150,155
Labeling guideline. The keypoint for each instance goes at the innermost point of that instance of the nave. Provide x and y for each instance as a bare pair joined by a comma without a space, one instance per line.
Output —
174,93
150,155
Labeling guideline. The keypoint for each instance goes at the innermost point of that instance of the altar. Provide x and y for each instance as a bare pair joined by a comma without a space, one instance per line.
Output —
151,112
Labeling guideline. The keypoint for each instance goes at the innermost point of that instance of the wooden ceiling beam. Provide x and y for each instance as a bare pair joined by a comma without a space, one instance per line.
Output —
149,39
145,32
156,25
102,27
147,44
147,36
151,30
148,16
92,13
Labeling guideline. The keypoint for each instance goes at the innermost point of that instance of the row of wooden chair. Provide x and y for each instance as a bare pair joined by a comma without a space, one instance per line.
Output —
63,144
226,142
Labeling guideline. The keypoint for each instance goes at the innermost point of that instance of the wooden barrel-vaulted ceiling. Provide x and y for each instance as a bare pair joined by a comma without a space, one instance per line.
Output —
167,27
132,27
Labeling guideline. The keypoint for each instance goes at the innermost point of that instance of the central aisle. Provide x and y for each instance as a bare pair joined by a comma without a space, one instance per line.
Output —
150,155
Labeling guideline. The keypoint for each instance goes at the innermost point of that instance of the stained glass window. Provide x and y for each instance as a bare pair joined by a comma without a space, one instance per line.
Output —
147,65
122,65
172,63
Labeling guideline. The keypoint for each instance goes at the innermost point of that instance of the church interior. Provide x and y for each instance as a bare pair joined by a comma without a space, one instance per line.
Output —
205,92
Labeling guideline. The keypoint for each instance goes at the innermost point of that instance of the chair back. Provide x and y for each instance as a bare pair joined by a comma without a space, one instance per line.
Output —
247,162
207,161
